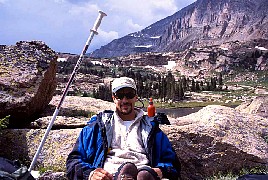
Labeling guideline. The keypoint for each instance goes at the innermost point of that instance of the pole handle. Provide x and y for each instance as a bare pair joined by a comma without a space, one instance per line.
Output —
98,22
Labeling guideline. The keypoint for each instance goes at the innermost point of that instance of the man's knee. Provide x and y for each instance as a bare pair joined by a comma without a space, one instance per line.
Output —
147,174
127,171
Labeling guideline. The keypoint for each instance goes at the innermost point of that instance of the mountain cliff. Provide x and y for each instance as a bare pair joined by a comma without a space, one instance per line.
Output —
204,22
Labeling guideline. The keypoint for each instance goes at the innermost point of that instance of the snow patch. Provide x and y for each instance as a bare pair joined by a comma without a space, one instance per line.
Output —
261,48
171,64
223,48
147,46
61,59
155,37
134,35
97,62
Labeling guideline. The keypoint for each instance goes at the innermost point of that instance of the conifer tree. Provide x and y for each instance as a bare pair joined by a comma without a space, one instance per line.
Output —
220,79
193,88
197,87
180,90
213,84
184,83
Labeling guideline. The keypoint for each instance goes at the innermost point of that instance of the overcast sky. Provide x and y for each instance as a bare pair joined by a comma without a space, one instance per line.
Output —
64,24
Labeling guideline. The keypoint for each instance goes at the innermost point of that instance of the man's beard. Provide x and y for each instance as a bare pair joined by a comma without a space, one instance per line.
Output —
124,111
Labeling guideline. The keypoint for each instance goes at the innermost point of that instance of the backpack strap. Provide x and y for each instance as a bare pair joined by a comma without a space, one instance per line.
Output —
6,175
105,124
23,174
106,115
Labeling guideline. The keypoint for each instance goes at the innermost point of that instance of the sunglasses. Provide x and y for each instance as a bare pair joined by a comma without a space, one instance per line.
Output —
121,96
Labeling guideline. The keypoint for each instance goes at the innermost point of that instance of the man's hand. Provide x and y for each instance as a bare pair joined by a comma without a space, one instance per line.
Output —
159,172
100,173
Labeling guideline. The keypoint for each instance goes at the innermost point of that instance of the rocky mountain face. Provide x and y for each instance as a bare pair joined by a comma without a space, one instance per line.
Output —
27,80
203,23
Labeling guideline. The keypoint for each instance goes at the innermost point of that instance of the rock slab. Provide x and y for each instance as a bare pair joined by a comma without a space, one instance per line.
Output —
27,80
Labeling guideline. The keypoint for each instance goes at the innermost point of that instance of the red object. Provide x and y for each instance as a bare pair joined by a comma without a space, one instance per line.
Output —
151,108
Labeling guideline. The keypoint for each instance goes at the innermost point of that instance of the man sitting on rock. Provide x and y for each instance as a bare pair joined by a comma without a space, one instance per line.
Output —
125,144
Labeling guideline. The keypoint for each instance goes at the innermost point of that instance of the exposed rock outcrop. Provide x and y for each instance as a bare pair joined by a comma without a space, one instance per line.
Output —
258,105
27,80
219,138
86,104
74,112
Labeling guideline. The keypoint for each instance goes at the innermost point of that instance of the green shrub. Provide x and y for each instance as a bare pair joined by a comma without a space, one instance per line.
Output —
4,122
265,138
234,176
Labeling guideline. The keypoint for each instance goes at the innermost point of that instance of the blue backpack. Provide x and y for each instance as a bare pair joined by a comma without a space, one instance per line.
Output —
253,177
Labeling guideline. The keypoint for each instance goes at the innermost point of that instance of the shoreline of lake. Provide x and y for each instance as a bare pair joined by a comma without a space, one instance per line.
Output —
182,111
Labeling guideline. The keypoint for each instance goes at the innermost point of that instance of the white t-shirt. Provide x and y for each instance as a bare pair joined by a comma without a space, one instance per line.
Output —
127,123
126,145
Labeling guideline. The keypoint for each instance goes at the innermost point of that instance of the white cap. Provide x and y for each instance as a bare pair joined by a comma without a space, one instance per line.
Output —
123,82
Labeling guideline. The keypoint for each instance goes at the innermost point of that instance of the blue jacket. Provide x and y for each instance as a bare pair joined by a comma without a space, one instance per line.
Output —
90,150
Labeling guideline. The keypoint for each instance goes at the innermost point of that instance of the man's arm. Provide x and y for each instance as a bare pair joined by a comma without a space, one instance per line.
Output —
165,157
79,164
76,167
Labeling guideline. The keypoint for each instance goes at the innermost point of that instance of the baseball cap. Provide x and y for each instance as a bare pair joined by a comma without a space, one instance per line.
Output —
123,82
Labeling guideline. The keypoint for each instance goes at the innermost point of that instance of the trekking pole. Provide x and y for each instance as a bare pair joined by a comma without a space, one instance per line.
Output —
92,33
